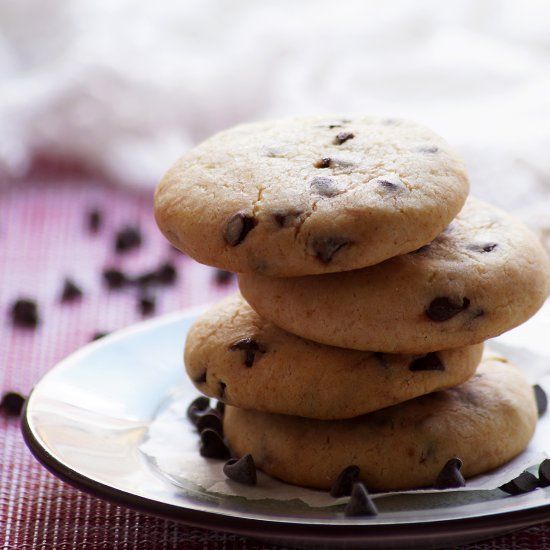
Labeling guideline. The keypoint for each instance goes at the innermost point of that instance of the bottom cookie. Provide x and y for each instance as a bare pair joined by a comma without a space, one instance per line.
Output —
485,422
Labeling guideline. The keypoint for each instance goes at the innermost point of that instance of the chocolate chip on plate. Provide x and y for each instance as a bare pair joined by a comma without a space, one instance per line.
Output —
541,399
237,228
251,347
241,470
12,403
430,361
24,313
212,445
360,503
197,408
443,308
71,291
544,473
210,420
128,238
524,483
450,476
343,485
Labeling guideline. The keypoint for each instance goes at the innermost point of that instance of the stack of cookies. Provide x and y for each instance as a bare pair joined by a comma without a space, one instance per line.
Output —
369,282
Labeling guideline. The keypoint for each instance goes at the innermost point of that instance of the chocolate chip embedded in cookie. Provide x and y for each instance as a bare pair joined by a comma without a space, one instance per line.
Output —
407,446
265,368
485,274
307,195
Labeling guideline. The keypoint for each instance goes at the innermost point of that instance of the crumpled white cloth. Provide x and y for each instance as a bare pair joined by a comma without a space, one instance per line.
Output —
125,86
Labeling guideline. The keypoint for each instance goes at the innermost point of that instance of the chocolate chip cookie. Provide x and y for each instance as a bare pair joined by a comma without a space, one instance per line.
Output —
234,355
484,422
310,195
484,274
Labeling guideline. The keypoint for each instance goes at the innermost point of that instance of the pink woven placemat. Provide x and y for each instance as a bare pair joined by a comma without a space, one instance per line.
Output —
43,239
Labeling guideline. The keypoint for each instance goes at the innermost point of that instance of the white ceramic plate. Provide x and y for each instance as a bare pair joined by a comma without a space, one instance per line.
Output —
86,419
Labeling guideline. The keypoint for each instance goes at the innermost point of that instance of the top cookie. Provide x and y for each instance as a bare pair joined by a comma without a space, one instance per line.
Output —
310,195
485,274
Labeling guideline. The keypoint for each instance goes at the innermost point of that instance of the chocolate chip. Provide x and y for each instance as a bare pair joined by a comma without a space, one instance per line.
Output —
430,361
127,238
450,476
94,220
360,503
541,398
114,278
237,228
212,445
242,470
482,248
12,403
443,308
343,485
323,163
250,348
147,303
342,137
71,291
387,184
201,378
428,149
197,407
98,335
24,313
210,420
544,473
287,218
524,483
222,386
324,248
223,277
326,187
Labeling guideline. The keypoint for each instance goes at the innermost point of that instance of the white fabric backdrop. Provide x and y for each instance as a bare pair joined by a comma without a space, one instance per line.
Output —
124,86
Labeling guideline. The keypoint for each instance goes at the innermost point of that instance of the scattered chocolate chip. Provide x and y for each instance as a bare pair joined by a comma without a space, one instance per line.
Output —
210,420
212,445
223,277
287,218
342,137
242,470
450,476
323,163
222,387
360,503
541,398
324,248
524,483
343,485
544,473
237,228
201,378
197,407
482,248
326,187
94,220
147,303
71,291
114,278
12,403
99,335
24,313
250,348
127,238
220,407
428,149
443,308
430,361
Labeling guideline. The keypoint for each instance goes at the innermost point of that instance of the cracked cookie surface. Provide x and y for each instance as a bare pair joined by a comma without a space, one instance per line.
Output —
266,368
484,422
484,274
310,195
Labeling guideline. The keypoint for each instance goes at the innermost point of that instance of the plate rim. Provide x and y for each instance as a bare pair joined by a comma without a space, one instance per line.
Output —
282,530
